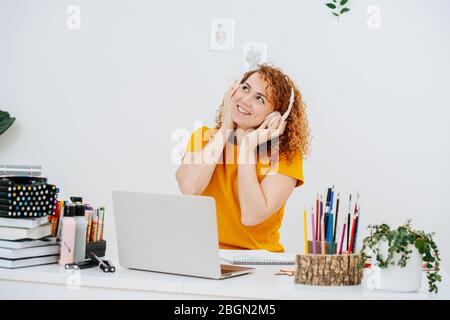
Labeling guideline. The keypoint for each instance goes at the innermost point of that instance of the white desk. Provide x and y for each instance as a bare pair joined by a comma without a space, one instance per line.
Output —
52,281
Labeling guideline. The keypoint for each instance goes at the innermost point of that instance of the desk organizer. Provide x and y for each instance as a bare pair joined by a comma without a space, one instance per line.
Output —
98,247
328,270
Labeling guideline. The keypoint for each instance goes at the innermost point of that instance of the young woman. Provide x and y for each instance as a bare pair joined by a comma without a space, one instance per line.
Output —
252,160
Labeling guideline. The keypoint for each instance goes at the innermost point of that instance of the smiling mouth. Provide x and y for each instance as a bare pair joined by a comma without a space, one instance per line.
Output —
243,111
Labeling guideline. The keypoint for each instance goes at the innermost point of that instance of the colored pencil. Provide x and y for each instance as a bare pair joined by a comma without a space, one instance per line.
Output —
305,231
331,234
336,221
313,225
348,219
356,230
352,235
323,236
320,218
317,217
329,224
342,239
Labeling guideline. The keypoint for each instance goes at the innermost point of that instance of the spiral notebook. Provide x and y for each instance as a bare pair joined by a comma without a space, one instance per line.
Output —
256,257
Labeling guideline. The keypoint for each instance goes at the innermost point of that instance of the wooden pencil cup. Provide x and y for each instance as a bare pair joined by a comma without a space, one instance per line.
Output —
319,247
328,270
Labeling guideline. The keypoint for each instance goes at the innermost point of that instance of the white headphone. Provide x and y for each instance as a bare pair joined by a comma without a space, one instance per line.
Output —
286,114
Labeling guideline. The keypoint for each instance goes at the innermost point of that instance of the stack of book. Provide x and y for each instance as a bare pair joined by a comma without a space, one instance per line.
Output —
27,204
26,242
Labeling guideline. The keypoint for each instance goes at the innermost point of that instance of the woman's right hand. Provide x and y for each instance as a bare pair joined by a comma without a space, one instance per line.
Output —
228,102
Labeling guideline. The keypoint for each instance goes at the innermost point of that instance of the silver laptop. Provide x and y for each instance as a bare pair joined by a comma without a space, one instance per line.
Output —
171,234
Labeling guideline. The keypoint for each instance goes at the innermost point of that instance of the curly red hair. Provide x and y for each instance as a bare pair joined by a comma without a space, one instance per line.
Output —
296,137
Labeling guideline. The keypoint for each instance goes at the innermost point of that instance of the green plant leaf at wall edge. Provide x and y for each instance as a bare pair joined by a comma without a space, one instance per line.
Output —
5,121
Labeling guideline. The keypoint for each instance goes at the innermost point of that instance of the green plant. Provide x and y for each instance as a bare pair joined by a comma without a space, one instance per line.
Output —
398,241
5,121
338,7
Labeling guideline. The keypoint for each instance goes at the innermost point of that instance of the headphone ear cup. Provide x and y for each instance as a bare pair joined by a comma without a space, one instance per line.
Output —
273,116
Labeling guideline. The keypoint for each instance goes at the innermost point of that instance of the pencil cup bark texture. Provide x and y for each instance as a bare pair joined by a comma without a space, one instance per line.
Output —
328,270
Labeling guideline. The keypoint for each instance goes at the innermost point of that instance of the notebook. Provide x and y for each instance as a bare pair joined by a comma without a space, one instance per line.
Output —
7,233
23,223
6,253
20,263
20,244
256,257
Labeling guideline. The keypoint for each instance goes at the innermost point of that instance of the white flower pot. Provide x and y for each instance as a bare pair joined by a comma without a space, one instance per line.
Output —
396,278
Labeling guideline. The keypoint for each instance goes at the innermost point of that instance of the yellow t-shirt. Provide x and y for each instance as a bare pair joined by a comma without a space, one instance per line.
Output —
223,187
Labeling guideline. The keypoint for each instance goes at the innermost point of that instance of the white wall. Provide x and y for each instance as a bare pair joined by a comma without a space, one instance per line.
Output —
96,107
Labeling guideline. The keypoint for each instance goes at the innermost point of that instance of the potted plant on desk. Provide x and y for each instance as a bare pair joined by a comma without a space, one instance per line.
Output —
401,256
5,121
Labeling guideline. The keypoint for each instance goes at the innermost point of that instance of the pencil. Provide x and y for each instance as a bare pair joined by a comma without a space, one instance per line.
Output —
305,231
331,234
352,235
317,217
313,225
335,222
320,218
342,239
348,219
356,230
323,236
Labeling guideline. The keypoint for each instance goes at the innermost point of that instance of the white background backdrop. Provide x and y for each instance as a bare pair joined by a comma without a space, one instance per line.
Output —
96,107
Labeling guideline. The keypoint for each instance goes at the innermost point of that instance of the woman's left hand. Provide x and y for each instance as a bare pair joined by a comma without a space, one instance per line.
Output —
265,132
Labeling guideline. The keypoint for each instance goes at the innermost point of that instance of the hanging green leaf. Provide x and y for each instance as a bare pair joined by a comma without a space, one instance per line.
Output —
335,14
331,5
343,2
5,121
344,10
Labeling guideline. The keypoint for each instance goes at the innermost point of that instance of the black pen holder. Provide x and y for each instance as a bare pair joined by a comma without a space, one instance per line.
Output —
98,247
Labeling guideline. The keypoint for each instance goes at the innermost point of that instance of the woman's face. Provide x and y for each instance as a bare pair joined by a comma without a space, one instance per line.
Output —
251,105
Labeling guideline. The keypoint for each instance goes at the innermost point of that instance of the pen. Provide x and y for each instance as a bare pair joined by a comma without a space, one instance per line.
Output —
331,198
110,265
81,265
101,264
103,223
